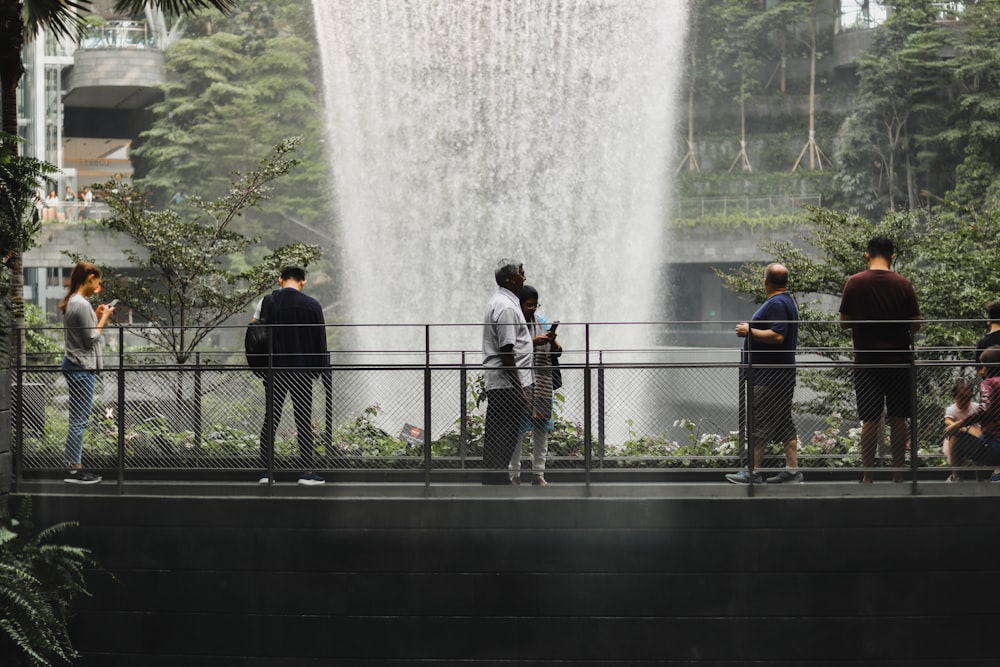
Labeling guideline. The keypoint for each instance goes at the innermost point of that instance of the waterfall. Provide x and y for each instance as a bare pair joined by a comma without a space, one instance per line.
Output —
465,131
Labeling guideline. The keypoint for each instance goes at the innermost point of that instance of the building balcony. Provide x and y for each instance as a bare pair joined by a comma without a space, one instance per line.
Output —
119,65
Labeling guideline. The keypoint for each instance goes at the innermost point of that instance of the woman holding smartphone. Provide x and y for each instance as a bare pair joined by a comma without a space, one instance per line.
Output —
82,328
540,420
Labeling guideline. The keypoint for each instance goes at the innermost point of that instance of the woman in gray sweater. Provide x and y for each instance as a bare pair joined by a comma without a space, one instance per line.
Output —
82,326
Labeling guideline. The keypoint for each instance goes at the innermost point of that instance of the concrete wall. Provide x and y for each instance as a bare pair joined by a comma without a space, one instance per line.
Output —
901,580
114,78
104,246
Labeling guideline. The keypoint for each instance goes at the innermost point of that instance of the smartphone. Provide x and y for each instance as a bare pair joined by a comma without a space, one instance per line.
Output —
113,303
554,326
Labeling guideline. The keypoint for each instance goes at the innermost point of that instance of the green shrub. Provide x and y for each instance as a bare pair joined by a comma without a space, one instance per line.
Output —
38,583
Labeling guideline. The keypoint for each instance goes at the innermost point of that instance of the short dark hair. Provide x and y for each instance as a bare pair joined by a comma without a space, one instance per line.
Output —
294,273
993,310
881,246
991,355
527,292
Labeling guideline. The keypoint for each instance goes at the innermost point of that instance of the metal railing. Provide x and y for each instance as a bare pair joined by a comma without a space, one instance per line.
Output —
413,406
700,207
119,35
73,211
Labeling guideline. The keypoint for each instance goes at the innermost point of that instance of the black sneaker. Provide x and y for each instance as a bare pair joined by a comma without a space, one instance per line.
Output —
311,479
786,477
81,477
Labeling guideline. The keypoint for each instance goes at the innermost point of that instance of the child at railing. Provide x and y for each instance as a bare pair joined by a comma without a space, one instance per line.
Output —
962,407
981,445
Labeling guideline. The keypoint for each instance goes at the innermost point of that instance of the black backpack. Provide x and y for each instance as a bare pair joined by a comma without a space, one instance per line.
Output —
257,340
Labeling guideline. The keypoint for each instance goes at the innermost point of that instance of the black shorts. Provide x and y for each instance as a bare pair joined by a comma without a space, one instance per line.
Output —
878,389
772,413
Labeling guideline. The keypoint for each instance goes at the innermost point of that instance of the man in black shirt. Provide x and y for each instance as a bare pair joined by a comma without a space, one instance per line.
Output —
300,356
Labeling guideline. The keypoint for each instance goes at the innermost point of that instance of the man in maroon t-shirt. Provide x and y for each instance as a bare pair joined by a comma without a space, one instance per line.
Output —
889,299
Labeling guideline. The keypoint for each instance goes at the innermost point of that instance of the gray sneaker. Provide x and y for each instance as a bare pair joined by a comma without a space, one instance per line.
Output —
743,477
786,477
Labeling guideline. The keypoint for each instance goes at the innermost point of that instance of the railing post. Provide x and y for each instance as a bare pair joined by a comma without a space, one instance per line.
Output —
328,412
746,387
600,409
463,429
197,400
269,425
120,462
18,399
427,405
587,416
914,445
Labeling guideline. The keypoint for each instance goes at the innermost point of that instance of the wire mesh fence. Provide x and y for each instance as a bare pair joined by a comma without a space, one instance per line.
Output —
623,410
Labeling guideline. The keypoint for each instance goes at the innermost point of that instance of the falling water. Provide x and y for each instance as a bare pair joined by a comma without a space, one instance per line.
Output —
464,131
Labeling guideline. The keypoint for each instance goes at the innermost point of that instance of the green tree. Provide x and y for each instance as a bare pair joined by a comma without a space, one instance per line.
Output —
201,136
21,20
951,258
975,132
795,23
38,583
736,41
192,272
238,88
701,16
891,138
20,178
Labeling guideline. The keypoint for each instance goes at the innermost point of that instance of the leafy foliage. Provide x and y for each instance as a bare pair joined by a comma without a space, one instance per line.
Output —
41,342
975,131
897,114
20,179
755,220
38,584
239,84
950,257
190,275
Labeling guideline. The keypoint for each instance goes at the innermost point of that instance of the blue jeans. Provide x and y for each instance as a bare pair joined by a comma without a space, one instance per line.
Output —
81,384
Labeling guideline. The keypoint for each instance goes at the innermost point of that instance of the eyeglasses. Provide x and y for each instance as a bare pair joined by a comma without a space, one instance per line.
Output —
535,307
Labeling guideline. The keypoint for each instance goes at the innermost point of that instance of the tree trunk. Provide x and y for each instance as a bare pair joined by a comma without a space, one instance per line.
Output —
11,70
690,158
783,73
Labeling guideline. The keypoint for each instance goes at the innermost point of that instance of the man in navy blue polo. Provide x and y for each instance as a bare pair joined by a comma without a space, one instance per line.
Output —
770,339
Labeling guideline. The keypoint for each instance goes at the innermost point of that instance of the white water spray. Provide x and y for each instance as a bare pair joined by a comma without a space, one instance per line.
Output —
463,131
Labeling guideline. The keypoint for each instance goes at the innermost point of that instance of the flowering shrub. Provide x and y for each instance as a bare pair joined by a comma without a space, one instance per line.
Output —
362,437
703,450
833,446
836,444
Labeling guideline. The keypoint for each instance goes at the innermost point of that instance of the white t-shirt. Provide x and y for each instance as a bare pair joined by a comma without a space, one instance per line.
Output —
956,413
